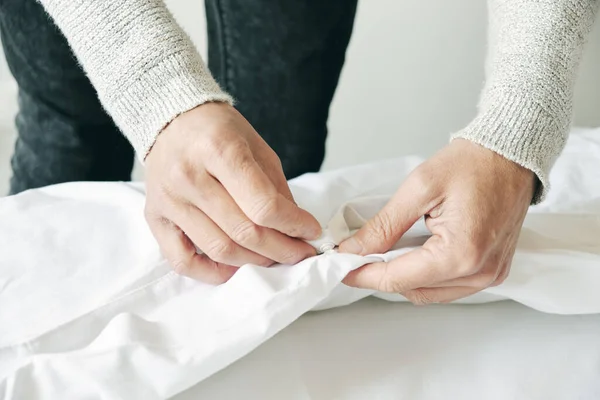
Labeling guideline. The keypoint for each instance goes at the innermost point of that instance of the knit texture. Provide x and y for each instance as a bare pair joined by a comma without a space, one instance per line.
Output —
526,105
147,71
144,67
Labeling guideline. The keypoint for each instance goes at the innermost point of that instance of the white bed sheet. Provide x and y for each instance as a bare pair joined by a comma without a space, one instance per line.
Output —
389,351
89,309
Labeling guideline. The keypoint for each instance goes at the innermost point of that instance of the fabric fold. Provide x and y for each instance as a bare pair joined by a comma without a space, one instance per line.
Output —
89,309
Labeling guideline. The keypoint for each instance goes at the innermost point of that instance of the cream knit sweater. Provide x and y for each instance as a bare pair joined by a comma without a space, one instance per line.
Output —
147,71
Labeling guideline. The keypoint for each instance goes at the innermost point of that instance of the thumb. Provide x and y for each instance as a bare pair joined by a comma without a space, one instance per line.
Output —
386,228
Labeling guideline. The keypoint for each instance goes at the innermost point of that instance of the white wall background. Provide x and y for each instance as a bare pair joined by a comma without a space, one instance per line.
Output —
413,74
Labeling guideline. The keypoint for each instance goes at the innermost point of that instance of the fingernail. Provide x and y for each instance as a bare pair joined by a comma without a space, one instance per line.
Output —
351,245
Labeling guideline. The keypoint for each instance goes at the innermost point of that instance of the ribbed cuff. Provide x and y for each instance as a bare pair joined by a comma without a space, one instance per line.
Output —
179,83
521,131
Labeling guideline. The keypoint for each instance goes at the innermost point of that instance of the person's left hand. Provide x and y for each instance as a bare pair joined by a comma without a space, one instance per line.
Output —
474,202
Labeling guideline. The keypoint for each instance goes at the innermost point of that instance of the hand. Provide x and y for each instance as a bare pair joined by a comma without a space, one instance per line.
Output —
474,202
211,181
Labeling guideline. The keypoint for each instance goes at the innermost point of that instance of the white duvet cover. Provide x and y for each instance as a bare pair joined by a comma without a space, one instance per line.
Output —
90,310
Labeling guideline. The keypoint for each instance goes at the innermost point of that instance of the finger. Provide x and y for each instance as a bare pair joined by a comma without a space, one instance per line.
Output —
425,296
482,279
259,199
387,227
412,270
235,224
493,274
508,260
213,242
271,165
502,275
178,249
282,186
505,269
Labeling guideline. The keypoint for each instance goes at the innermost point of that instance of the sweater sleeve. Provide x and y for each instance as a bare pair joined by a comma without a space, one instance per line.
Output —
525,108
144,67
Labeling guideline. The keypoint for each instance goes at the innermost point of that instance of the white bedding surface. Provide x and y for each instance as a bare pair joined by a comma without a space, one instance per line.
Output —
388,351
89,309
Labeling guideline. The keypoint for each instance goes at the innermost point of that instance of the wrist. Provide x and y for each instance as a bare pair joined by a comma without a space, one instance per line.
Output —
521,131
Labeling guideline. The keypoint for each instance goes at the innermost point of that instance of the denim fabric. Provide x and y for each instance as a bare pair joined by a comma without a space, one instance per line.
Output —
63,132
280,60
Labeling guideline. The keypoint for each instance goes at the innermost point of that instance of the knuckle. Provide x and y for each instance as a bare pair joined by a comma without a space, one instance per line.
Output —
393,286
382,229
484,280
272,160
221,250
245,161
181,267
499,281
247,233
157,195
212,143
216,146
292,256
500,278
179,174
263,210
155,219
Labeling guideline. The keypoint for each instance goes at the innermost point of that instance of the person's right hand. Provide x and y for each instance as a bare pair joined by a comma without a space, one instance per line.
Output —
213,182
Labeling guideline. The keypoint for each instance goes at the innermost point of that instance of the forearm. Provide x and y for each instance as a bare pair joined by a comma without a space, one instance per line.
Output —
526,106
143,65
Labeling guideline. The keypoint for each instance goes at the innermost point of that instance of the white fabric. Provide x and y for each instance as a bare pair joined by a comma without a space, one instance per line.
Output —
381,350
88,308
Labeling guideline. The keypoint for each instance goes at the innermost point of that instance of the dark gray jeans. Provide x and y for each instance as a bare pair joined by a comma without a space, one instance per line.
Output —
281,60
